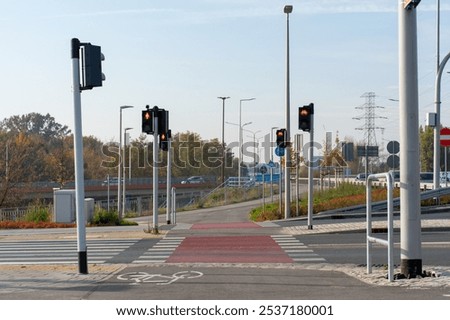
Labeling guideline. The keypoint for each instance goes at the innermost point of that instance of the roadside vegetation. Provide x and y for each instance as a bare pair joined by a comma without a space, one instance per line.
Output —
346,195
40,216
224,196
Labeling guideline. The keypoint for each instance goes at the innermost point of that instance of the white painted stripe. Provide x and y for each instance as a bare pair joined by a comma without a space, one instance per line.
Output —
309,259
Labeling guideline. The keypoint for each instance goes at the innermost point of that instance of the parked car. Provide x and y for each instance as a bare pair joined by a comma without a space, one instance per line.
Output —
193,179
113,181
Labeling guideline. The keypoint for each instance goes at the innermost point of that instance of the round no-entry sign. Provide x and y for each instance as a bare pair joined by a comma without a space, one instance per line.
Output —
445,137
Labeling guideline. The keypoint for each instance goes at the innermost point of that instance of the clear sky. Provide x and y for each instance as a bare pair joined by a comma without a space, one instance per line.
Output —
181,55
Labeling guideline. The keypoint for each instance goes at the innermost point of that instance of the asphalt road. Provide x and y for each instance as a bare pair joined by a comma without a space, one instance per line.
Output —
217,254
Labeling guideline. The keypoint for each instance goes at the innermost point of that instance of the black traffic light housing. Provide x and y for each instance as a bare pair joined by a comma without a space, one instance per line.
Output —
164,140
91,65
281,138
305,116
147,121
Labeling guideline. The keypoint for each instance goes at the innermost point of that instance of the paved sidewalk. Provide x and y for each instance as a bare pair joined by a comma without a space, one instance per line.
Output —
335,227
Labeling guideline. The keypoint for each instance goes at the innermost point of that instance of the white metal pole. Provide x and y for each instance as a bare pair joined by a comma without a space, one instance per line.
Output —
107,183
155,170
174,206
240,143
79,165
287,161
124,171
410,236
169,179
437,128
119,169
311,174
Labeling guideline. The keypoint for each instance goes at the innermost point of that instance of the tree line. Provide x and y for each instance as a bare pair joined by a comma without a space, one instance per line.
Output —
38,149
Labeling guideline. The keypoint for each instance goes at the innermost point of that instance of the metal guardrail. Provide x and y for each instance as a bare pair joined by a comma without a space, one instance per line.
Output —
390,228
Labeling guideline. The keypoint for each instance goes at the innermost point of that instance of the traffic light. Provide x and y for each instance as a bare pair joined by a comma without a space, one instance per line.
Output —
281,138
163,121
164,140
91,64
304,117
147,121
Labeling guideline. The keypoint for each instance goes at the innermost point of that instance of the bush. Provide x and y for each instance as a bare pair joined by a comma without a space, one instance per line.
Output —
37,213
104,217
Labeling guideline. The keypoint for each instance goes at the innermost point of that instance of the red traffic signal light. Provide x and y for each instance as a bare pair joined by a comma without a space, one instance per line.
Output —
147,121
281,138
304,117
164,140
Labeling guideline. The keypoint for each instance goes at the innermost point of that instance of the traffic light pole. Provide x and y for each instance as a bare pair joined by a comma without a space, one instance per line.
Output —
79,165
155,171
169,179
310,174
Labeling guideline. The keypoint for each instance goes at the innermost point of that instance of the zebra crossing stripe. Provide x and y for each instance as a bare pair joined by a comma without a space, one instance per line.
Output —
296,250
59,252
161,251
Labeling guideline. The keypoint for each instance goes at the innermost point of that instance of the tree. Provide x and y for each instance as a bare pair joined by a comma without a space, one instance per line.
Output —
22,163
426,137
35,123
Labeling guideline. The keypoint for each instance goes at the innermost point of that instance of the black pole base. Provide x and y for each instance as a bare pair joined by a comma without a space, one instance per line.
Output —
411,268
82,262
168,221
310,227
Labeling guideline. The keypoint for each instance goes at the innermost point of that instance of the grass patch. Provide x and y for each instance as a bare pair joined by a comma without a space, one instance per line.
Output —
104,217
346,195
224,196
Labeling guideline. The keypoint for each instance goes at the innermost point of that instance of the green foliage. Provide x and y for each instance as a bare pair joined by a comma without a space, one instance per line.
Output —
344,196
426,136
223,196
37,213
104,217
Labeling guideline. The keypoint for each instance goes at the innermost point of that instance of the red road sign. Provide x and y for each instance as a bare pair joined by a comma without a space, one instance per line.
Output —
445,137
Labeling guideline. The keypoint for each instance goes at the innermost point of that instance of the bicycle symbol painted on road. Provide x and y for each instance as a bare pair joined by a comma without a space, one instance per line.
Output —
137,278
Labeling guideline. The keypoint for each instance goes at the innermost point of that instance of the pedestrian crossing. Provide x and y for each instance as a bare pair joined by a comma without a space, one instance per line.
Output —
161,251
107,250
60,251
296,250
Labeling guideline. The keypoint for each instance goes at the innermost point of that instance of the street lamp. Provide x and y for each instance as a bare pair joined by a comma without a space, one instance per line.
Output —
240,137
223,138
124,168
287,180
119,171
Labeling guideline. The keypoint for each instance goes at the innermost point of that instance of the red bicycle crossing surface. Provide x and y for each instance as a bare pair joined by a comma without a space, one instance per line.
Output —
229,249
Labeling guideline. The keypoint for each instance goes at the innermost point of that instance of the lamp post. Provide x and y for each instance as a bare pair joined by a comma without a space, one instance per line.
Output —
119,170
287,180
223,138
271,159
240,137
124,169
